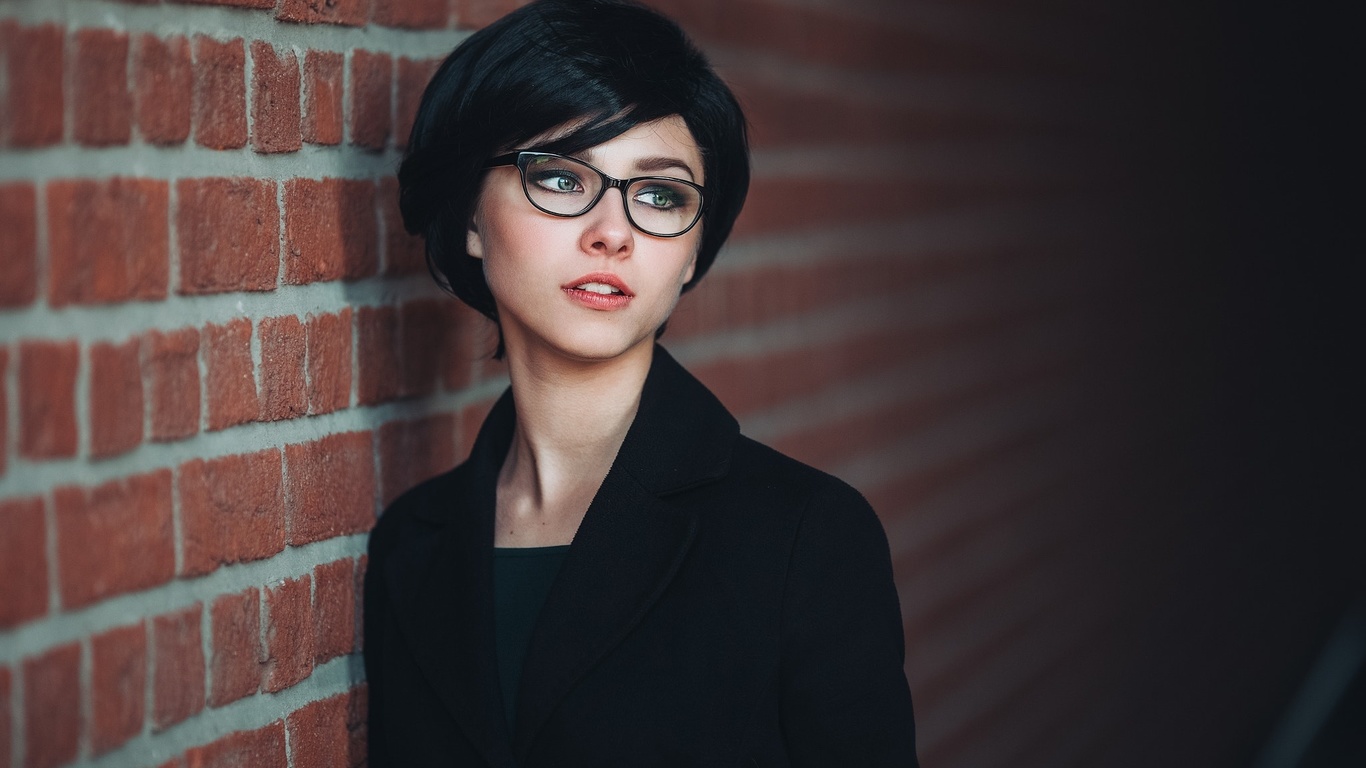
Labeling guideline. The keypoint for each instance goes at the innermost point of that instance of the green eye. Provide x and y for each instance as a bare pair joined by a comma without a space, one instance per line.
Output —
658,197
557,181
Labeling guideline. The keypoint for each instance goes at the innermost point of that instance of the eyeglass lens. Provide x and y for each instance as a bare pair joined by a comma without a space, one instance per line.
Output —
567,187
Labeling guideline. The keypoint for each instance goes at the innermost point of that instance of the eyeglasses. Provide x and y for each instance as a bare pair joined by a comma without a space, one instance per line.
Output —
562,186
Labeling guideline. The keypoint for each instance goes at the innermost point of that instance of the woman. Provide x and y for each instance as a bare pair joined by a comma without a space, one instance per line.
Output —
615,576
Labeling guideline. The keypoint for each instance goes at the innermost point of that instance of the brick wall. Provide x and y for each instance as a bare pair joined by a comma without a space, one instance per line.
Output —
953,286
220,356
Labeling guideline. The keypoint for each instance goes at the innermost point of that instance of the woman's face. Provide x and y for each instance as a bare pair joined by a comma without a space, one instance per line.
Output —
547,273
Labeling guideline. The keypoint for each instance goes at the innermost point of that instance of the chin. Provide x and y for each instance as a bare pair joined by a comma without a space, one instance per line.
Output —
582,342
600,347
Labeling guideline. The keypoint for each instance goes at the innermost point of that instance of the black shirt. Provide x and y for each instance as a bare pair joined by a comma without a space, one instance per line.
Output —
521,581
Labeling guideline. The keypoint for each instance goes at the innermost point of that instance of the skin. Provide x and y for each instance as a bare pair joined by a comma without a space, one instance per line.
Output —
576,371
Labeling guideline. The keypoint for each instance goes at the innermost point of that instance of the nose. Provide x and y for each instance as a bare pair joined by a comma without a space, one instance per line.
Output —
607,231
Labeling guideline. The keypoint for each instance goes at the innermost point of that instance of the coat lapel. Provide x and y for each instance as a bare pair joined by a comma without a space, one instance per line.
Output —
629,545
627,549
445,600
623,557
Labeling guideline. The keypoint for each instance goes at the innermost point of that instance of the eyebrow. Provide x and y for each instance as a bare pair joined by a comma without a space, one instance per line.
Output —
652,164
657,164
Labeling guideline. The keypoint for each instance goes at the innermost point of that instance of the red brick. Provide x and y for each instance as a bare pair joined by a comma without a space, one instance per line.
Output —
107,240
358,586
352,13
413,76
412,14
35,100
827,36
810,203
318,734
228,232
231,510
475,14
19,244
749,385
330,230
330,487
694,311
6,716
412,451
289,634
429,340
52,706
275,100
329,362
283,352
377,355
371,78
235,661
4,410
47,399
23,561
220,93
262,748
118,686
789,115
114,538
115,398
177,666
357,714
235,3
231,391
334,610
322,118
172,362
165,88
102,107
403,253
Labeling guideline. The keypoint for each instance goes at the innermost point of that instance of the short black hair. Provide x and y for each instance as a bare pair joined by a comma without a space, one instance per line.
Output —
607,65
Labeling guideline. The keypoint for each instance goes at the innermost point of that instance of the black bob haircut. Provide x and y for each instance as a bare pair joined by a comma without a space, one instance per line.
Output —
605,66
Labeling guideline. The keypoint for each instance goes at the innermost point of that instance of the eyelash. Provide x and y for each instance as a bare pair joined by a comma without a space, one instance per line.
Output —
550,176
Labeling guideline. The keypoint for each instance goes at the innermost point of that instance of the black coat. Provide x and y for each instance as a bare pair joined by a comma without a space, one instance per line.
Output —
721,605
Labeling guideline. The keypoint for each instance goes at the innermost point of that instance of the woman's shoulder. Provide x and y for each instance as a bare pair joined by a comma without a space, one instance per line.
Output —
753,462
416,512
773,484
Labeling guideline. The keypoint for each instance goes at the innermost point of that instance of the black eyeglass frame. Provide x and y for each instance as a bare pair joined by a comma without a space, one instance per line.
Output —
522,158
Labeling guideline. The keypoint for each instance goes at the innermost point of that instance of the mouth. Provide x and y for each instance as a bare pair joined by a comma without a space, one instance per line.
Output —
601,284
600,288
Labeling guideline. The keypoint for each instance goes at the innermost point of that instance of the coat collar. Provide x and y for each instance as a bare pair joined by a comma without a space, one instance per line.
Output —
682,436
625,553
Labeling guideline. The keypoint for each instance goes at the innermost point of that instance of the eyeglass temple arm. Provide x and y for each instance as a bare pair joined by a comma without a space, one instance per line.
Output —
501,160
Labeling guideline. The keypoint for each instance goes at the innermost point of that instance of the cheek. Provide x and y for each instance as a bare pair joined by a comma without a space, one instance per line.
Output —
500,259
494,228
514,255
496,215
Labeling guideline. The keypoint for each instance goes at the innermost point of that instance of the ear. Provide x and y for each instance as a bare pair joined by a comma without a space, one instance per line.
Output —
692,267
474,244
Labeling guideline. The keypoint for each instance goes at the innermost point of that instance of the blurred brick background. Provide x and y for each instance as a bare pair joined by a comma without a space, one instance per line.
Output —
986,274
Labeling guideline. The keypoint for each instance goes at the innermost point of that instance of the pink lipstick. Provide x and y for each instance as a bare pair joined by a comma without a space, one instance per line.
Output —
599,290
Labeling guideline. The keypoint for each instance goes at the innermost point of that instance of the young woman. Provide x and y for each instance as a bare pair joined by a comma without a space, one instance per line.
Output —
615,576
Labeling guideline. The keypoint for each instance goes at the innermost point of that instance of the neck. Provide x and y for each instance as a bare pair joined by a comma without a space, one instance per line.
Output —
572,418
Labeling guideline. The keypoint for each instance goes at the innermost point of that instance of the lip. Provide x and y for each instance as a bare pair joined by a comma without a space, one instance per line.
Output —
606,278
598,300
